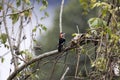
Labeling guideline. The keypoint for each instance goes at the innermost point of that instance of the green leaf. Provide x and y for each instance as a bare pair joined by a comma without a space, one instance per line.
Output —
27,13
15,18
34,30
108,30
1,7
42,18
93,22
46,14
43,27
83,51
27,2
75,34
42,8
27,53
18,3
35,41
22,52
100,64
102,4
96,22
2,60
93,1
104,13
44,2
3,38
115,37
88,35
96,4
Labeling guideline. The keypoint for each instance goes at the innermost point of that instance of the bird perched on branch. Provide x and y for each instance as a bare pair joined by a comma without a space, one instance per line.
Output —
61,41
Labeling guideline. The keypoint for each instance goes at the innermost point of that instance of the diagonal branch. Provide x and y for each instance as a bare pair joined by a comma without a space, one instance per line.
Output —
31,62
63,76
7,32
18,12
50,53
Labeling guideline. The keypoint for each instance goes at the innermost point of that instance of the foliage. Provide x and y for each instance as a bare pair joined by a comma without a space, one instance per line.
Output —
104,29
15,17
3,38
44,6
72,16
95,57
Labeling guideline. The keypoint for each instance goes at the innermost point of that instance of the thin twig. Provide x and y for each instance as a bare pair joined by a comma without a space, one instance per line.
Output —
18,12
63,76
60,18
78,60
20,58
30,74
20,29
78,29
6,29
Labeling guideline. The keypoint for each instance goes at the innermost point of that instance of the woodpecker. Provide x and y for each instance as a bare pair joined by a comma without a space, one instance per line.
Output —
61,41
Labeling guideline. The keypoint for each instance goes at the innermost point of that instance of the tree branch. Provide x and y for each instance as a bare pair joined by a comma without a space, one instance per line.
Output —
63,76
31,62
51,53
7,32
60,19
18,12
44,55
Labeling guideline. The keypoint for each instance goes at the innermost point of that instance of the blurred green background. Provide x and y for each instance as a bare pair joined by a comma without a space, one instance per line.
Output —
73,15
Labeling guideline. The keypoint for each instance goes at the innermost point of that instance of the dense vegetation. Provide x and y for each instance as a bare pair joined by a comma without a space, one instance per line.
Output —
92,51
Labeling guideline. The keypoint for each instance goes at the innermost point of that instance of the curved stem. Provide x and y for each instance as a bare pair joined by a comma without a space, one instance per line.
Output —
60,19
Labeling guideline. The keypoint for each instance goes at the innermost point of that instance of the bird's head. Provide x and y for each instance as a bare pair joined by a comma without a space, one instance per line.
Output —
62,35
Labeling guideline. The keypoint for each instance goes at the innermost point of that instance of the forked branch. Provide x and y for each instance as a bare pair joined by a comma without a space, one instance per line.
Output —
71,45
